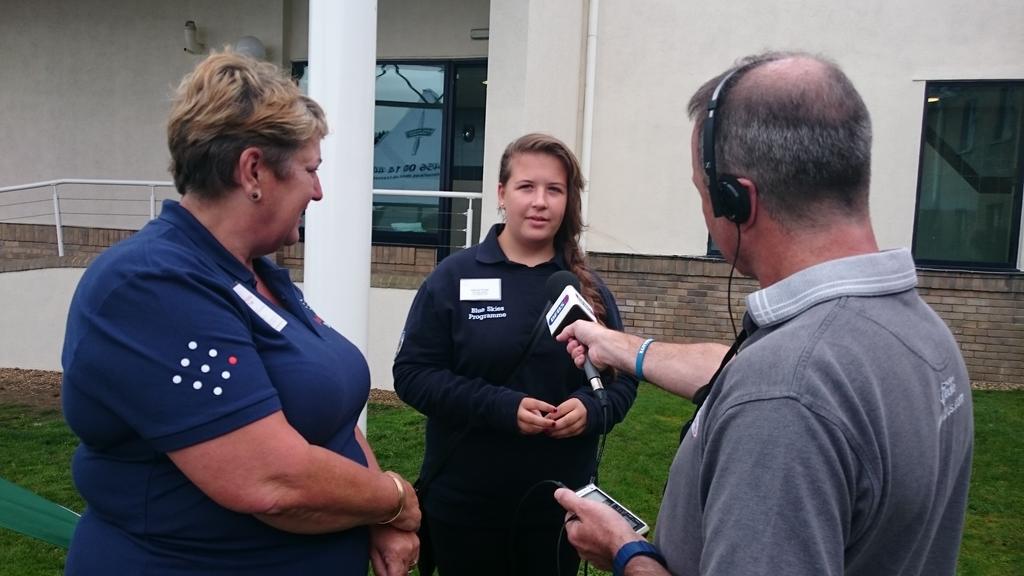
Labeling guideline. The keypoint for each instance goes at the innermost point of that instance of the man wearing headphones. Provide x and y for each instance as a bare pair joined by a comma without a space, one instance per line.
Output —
835,436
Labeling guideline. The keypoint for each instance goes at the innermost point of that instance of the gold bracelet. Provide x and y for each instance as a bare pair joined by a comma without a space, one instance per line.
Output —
401,497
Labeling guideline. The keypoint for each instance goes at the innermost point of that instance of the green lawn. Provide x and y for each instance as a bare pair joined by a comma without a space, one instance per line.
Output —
35,448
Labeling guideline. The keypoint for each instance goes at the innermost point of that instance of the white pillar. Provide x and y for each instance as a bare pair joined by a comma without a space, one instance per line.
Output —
342,58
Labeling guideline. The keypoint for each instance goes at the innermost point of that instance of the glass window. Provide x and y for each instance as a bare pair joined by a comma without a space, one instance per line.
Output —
416,83
428,135
969,186
467,145
407,145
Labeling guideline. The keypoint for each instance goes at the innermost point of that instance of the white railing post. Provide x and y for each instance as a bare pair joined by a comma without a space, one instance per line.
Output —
56,218
152,202
469,225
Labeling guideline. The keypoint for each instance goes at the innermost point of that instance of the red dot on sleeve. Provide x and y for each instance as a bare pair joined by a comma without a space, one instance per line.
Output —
232,360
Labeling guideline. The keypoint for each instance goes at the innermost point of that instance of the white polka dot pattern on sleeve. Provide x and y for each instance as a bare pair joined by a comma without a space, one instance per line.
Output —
197,383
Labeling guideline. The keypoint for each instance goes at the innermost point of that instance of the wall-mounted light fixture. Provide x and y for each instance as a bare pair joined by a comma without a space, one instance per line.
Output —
192,44
479,33
251,46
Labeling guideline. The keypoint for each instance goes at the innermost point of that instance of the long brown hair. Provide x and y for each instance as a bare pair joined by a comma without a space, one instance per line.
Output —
568,234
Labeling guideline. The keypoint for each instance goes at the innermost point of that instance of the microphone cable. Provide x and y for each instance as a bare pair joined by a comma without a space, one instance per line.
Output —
602,441
515,526
728,290
593,480
556,284
558,547
561,535
604,438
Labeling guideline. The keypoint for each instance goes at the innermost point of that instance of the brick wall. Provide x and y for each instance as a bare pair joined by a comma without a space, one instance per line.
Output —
683,300
670,298
677,299
23,241
986,314
390,266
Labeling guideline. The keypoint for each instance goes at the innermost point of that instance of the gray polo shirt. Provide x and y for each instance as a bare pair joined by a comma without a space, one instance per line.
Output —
838,440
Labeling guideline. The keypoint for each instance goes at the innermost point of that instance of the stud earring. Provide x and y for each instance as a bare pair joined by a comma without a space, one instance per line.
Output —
256,195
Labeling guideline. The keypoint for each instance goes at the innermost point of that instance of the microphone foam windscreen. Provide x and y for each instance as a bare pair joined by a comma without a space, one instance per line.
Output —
558,281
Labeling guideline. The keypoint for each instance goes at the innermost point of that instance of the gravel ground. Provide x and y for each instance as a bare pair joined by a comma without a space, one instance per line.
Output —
37,388
41,389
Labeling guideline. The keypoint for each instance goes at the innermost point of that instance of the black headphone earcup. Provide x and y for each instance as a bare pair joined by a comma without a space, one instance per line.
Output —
734,200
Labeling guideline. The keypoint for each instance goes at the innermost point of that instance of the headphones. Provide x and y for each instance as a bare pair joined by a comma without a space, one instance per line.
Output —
729,198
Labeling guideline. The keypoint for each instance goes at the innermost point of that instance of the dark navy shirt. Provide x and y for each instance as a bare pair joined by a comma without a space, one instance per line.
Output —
455,364
169,344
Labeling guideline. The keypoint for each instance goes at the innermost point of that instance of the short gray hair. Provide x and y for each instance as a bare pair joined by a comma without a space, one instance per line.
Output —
805,145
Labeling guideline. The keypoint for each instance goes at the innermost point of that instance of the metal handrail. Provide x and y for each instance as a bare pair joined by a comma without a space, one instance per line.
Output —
53,184
97,182
428,193
441,194
154,184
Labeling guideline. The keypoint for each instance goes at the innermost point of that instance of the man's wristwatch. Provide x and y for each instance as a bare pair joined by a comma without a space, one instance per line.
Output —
631,549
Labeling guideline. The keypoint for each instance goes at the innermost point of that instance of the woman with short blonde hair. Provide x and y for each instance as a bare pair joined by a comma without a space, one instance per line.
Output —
216,411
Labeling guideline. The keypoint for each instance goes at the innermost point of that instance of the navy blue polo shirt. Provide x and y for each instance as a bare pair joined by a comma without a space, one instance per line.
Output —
168,344
467,330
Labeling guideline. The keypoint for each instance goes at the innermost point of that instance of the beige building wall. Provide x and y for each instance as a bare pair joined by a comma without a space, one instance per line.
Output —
87,84
535,79
36,302
420,29
86,88
85,93
388,309
654,54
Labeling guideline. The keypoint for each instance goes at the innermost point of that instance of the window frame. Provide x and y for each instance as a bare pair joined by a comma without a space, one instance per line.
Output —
441,239
1013,259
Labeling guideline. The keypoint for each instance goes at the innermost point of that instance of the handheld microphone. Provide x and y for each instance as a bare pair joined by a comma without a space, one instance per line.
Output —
569,306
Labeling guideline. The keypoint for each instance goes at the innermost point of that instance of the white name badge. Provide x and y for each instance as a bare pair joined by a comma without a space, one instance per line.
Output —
480,289
262,310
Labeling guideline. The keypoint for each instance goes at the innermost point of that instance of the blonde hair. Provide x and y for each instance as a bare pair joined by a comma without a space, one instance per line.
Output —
231,102
567,236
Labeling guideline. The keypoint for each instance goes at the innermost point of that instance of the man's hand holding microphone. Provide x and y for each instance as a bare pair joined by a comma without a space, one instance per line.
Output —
597,531
603,346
